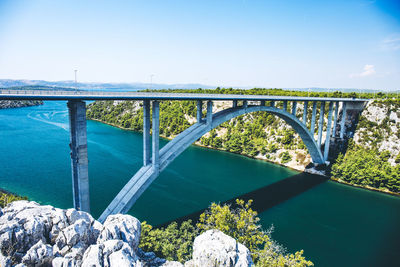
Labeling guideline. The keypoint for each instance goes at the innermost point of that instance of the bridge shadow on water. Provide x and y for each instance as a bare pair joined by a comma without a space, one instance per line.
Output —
267,196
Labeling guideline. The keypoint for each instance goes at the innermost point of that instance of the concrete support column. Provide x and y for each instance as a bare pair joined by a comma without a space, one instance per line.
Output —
305,112
262,103
146,132
342,122
335,119
155,135
272,104
199,111
294,108
328,131
285,105
209,111
245,103
79,154
314,115
234,104
321,123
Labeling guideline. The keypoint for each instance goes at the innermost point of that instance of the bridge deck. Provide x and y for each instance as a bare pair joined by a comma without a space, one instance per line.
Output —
97,95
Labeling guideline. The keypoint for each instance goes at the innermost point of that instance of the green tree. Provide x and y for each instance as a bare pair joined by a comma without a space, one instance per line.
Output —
242,223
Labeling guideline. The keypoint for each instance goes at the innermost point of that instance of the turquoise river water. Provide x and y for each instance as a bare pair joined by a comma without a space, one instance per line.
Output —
335,224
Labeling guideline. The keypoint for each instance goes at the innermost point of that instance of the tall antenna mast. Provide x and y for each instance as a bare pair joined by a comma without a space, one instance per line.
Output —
76,83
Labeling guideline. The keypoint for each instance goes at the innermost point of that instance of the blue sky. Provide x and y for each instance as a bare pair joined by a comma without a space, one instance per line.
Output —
277,43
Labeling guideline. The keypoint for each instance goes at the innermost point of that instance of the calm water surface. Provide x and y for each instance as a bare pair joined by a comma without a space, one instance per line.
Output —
336,225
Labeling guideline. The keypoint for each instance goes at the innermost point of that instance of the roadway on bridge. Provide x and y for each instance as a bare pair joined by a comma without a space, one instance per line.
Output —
97,95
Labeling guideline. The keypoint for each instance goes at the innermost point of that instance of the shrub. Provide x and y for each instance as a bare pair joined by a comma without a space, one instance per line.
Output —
285,157
241,223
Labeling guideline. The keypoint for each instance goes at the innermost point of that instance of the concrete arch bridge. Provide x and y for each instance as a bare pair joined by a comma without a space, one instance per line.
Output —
156,160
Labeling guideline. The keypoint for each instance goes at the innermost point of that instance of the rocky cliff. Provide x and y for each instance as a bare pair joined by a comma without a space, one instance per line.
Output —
35,235
19,103
379,128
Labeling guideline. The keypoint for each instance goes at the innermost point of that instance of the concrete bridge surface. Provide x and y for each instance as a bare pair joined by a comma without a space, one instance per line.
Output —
156,160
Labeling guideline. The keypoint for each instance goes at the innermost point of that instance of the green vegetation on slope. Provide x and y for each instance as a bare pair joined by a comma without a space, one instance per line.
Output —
176,242
6,198
367,167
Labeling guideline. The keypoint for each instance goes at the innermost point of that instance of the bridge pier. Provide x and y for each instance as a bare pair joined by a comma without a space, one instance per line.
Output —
209,112
314,115
321,123
199,111
328,131
305,112
294,108
285,105
156,137
234,104
342,122
146,132
335,119
79,155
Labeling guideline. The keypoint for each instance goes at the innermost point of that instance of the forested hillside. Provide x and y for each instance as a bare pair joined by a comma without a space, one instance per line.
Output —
265,136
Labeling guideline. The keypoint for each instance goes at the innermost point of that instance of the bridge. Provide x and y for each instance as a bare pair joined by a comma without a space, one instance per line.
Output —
155,160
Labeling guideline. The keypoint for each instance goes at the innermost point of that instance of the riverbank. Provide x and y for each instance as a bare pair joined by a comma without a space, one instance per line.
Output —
370,188
270,161
19,103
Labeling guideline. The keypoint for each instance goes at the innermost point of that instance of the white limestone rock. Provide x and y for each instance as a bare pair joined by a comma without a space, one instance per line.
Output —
73,234
214,248
111,253
93,256
172,264
25,223
39,254
123,227
74,215
65,262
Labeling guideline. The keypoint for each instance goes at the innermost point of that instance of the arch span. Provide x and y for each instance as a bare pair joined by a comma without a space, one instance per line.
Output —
147,174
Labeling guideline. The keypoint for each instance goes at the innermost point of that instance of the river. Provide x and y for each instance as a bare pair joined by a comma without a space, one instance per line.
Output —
335,224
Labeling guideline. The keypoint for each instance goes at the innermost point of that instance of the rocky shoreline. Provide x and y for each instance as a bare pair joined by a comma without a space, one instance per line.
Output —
19,103
35,235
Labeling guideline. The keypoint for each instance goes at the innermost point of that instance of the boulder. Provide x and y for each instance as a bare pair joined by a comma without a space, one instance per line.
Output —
39,254
122,227
111,253
25,223
214,248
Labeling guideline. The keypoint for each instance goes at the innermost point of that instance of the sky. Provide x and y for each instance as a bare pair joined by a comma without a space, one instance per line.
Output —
227,43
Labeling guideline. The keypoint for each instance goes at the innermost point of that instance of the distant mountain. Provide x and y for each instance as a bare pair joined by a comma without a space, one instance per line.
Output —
68,85
7,83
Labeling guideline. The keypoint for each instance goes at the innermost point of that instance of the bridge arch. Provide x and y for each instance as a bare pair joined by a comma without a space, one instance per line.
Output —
147,174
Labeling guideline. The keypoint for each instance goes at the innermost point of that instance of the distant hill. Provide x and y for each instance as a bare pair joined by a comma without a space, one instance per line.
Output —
7,83
344,90
34,84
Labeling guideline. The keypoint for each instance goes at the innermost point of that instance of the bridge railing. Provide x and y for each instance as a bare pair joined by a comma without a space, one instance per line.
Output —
58,92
